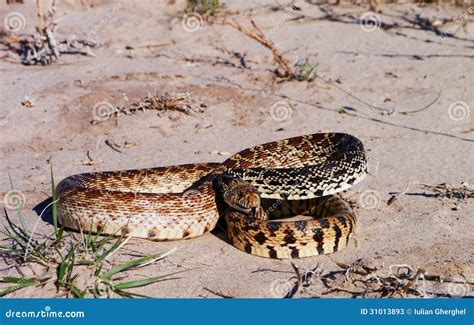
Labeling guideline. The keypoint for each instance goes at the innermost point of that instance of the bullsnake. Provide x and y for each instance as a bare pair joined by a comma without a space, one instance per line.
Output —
295,176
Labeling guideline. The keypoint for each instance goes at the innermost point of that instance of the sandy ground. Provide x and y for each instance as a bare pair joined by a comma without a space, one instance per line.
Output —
401,69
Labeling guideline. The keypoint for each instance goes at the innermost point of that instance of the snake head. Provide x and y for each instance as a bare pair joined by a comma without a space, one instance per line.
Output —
239,194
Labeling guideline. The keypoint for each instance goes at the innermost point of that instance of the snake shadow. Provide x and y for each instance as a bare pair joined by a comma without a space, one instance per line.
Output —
220,230
45,210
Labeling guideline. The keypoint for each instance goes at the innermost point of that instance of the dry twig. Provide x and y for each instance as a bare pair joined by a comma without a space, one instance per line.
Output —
465,191
42,47
181,102
260,37
402,281
443,190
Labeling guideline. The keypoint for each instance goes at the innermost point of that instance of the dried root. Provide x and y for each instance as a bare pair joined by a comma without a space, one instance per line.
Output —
42,48
180,102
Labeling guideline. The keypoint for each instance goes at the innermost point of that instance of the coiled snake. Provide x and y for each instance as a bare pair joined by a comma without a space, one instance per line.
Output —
295,176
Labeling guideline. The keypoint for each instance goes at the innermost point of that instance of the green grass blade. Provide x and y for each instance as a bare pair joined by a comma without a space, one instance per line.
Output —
77,293
18,231
98,245
62,271
14,238
129,265
130,294
21,283
59,237
98,270
112,249
66,266
6,249
10,279
85,262
145,282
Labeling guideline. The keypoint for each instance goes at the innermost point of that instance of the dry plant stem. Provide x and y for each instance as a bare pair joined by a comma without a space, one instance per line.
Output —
441,190
425,107
262,39
39,9
446,190
331,84
296,288
180,102
113,146
158,44
405,284
269,270
299,279
218,293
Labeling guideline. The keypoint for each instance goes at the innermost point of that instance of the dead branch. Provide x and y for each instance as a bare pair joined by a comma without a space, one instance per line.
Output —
42,47
181,102
260,37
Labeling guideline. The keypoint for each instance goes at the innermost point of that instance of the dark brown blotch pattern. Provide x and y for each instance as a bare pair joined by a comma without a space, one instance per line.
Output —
260,238
318,237
338,234
272,252
289,236
153,233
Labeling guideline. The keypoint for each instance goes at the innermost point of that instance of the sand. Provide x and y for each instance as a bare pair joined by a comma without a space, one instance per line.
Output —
397,70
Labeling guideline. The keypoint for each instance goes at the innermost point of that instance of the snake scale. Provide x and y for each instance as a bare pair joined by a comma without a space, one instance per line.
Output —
296,177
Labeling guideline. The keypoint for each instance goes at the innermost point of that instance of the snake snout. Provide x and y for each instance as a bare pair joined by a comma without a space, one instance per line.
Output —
252,200
247,202
239,194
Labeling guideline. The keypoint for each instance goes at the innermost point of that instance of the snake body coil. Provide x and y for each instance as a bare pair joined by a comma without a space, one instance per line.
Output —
291,177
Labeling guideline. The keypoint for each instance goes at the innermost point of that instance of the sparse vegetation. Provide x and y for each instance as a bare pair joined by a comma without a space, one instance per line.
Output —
301,71
306,71
75,260
204,7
